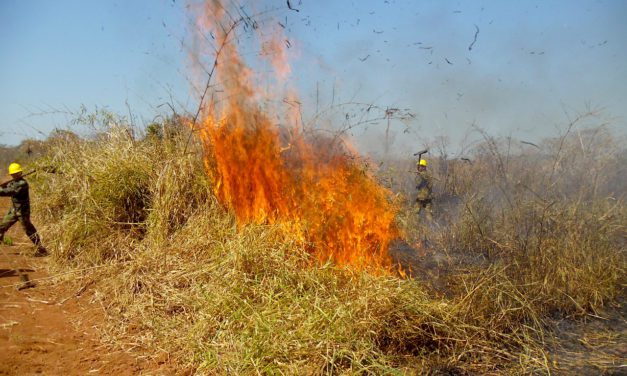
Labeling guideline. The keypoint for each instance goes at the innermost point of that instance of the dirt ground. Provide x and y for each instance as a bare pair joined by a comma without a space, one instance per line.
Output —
52,329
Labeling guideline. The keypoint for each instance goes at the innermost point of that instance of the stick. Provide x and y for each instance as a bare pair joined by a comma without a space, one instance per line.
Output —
4,184
208,85
475,38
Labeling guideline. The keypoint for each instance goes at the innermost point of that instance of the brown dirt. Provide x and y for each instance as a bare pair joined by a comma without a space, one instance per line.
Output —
52,328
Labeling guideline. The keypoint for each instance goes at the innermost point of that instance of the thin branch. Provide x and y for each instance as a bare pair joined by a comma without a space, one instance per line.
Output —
475,38
208,85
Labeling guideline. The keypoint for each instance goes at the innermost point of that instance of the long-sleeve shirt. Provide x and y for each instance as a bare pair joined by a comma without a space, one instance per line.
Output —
424,185
18,191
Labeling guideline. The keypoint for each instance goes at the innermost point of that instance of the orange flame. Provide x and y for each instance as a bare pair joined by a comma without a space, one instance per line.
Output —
313,187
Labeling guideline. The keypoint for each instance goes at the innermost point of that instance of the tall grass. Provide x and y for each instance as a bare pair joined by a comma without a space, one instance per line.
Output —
553,217
177,275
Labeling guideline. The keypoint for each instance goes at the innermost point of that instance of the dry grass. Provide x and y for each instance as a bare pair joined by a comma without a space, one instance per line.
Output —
176,274
553,218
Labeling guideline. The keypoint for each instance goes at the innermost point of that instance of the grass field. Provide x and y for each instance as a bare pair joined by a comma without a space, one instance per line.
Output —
527,241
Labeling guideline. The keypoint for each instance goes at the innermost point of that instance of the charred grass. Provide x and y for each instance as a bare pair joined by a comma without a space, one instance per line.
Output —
533,236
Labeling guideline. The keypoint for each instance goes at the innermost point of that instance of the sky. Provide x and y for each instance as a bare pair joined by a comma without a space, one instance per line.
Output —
532,66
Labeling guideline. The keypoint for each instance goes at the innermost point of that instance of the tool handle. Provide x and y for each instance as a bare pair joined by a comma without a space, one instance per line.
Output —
4,184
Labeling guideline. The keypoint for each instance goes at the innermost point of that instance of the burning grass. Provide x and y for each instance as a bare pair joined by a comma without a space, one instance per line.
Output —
177,272
314,189
267,171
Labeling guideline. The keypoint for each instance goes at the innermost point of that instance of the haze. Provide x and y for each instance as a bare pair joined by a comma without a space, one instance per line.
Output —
531,66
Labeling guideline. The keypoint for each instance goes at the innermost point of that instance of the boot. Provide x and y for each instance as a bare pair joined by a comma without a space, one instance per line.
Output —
26,283
41,251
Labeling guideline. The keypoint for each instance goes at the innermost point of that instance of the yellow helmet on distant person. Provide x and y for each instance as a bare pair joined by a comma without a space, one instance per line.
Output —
422,162
14,168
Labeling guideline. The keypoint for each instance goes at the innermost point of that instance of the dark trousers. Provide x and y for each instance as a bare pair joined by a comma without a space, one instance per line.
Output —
426,207
24,218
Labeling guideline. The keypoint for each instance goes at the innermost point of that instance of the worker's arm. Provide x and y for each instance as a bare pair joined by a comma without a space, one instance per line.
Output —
13,188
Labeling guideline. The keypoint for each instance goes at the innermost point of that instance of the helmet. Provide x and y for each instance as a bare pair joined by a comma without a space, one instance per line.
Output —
14,168
422,163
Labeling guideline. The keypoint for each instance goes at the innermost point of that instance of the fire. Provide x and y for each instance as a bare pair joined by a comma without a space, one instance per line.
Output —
313,187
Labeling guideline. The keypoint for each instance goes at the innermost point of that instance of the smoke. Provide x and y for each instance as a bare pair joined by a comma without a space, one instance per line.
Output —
531,67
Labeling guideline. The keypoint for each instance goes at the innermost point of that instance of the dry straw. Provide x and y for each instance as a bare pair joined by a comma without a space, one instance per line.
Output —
176,274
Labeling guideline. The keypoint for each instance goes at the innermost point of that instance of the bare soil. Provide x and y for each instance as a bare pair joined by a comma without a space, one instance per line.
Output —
51,328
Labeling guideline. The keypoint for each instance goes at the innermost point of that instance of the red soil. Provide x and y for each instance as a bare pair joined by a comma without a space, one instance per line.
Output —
52,329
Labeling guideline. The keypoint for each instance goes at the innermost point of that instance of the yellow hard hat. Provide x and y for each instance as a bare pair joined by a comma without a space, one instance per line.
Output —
14,168
422,162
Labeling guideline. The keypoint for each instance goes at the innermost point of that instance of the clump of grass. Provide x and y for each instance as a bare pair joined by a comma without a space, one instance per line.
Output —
100,201
7,240
101,196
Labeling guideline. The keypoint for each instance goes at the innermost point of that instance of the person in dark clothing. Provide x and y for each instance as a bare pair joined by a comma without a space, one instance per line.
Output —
17,189
424,186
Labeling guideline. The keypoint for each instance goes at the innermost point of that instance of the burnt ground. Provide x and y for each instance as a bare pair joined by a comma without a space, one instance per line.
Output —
593,345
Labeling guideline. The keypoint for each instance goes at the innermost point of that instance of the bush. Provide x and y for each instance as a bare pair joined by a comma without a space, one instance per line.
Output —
109,190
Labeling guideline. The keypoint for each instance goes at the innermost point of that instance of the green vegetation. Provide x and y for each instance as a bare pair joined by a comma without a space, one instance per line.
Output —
7,240
529,237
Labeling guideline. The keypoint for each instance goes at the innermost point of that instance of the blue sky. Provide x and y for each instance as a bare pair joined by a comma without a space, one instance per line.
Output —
534,63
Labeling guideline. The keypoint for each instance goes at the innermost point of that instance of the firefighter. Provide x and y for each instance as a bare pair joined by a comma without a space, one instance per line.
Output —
424,186
17,189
